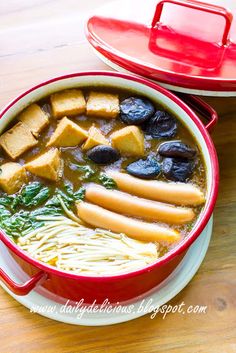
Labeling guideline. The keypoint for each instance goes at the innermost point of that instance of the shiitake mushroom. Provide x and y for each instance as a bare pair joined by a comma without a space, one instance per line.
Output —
144,168
176,149
103,154
177,169
136,110
161,125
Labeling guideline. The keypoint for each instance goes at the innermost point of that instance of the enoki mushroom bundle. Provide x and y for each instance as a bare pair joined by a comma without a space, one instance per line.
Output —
70,246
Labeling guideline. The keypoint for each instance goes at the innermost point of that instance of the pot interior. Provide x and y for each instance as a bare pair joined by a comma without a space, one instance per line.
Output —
121,82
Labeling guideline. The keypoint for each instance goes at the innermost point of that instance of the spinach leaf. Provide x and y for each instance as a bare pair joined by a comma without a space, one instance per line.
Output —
51,208
42,196
106,181
16,202
15,223
79,194
34,194
68,187
19,222
30,191
69,196
6,200
48,210
4,213
86,170
67,199
91,174
53,202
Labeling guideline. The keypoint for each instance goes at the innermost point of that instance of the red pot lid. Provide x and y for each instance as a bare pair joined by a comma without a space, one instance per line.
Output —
185,45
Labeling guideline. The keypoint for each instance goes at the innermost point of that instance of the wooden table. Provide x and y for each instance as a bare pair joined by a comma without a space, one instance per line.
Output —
44,38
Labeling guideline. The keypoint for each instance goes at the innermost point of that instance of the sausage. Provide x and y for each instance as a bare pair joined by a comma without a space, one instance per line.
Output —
121,202
176,193
101,218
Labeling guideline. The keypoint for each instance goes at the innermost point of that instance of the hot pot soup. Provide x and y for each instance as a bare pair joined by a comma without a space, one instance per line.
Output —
99,181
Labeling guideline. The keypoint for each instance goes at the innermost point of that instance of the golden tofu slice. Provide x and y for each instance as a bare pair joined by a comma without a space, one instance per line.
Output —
104,105
35,118
48,165
67,134
68,102
17,140
12,177
129,141
95,137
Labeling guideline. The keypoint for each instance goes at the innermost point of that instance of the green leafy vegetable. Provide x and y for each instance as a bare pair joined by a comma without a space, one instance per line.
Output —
53,202
51,208
91,174
17,223
68,187
4,213
34,194
6,201
106,181
86,170
14,225
69,196
79,194
67,199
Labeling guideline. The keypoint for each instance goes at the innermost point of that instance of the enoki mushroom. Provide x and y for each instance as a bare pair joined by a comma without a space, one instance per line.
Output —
70,246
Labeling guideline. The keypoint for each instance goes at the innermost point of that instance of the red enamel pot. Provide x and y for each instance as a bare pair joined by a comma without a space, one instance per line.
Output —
118,288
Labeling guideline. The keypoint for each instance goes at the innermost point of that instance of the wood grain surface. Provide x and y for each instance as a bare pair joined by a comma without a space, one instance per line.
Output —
40,39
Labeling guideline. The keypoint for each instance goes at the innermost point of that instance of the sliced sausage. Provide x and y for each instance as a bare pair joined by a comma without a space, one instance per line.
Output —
176,193
101,218
138,207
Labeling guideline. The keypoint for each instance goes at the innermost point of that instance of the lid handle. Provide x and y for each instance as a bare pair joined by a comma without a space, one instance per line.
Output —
213,9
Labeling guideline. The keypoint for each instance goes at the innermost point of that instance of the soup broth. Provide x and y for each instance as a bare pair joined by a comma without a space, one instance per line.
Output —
115,178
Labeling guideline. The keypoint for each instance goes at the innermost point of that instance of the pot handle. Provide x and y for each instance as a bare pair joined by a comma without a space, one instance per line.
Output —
201,6
202,108
25,288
